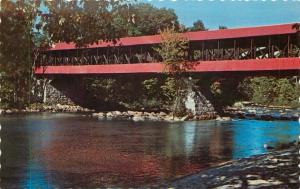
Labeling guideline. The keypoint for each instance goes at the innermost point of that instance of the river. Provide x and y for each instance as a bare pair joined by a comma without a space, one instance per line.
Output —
72,150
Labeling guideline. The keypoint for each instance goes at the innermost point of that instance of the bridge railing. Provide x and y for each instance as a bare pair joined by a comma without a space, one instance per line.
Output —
279,46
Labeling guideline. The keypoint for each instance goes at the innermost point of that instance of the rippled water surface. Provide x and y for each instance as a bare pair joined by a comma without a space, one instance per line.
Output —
69,150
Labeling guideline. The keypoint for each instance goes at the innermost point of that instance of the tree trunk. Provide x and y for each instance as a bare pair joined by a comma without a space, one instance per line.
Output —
44,91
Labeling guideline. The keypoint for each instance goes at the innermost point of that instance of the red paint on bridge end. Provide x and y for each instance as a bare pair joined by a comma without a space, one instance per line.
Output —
273,64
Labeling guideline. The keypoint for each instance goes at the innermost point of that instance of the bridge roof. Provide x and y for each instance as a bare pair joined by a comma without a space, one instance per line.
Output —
194,36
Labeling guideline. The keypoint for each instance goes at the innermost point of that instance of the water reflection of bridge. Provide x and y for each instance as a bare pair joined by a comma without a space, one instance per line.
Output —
273,47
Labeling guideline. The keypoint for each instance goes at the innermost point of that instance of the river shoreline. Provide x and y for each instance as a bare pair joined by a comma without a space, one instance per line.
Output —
47,108
242,110
277,169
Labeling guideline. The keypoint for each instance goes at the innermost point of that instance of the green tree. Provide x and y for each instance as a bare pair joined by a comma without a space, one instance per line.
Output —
174,52
151,86
149,20
16,46
197,26
168,89
222,27
260,89
270,91
85,21
25,31
286,93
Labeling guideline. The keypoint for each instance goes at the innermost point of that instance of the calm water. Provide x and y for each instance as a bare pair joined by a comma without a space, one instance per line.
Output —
68,150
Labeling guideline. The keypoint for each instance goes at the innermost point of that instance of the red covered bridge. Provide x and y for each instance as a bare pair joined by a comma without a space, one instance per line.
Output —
264,48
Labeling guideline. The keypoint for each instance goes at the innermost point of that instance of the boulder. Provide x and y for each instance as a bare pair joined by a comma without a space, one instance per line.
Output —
125,114
223,118
185,118
109,114
131,112
117,113
177,119
94,114
101,115
250,115
153,118
240,115
139,113
147,114
238,105
252,111
59,106
247,103
168,118
266,117
285,117
201,117
162,114
138,118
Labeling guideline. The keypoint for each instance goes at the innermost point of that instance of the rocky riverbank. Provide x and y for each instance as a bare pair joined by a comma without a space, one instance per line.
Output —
153,116
46,108
248,110
278,169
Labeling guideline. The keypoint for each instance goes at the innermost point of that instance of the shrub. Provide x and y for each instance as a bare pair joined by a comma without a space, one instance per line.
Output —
270,91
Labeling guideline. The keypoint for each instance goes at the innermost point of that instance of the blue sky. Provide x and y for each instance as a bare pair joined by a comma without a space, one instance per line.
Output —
233,13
